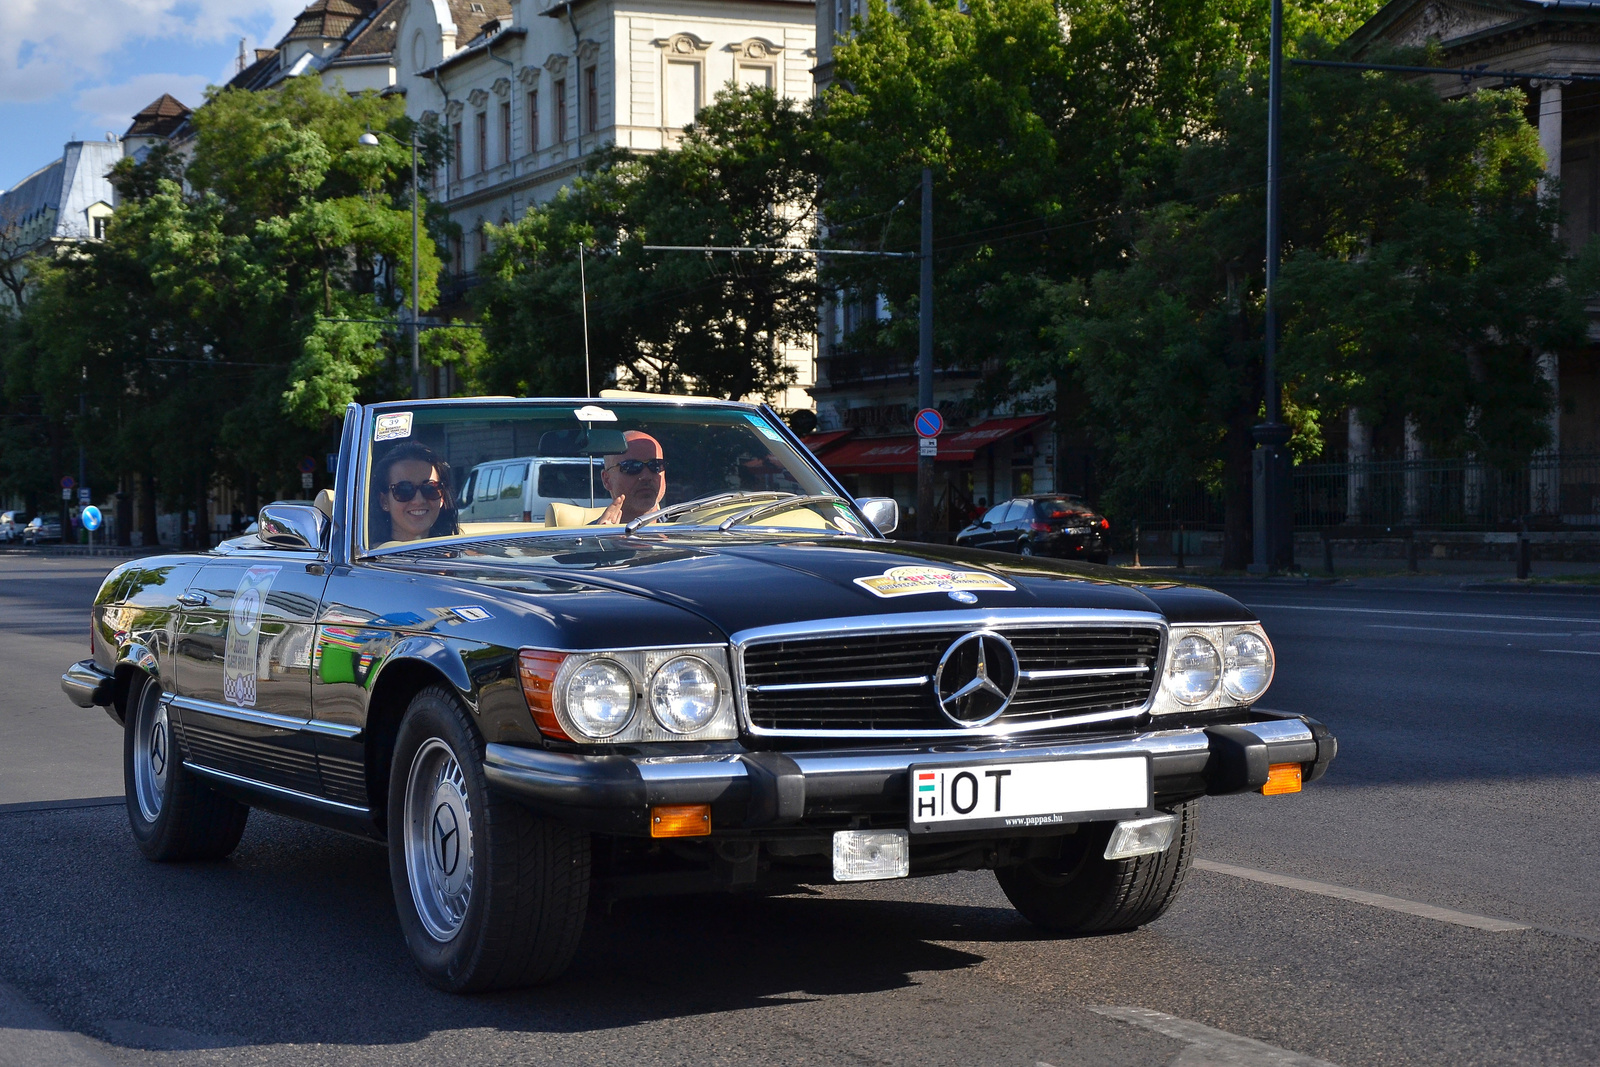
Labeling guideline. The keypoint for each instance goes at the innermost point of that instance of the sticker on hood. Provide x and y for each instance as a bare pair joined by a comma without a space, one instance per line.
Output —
905,581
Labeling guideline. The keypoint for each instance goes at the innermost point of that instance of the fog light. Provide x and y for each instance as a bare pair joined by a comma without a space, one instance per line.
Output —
680,820
1282,778
871,855
1141,837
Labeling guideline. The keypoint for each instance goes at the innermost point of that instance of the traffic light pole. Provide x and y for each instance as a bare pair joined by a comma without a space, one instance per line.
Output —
925,358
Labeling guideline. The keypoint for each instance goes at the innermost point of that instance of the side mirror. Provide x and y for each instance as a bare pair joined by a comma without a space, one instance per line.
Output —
297,527
986,524
882,511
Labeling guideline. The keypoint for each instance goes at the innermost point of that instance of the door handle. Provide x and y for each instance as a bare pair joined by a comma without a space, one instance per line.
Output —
193,600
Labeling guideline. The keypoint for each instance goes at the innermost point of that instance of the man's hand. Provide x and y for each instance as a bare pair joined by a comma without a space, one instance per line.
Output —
612,516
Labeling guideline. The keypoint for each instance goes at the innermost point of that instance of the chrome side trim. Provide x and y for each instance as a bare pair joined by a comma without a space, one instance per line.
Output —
228,711
333,729
679,768
291,794
972,619
1082,672
865,683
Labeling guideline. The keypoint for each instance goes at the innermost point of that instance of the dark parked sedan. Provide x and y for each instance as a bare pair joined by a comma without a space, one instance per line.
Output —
720,676
1045,524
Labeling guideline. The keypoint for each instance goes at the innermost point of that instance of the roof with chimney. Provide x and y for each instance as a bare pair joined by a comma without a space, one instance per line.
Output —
377,37
330,18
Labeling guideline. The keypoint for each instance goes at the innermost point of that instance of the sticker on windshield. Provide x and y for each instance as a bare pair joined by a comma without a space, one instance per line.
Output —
595,413
906,581
764,426
392,427
244,634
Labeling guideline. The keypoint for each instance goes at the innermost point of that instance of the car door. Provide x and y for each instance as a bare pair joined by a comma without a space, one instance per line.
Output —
243,667
985,535
511,503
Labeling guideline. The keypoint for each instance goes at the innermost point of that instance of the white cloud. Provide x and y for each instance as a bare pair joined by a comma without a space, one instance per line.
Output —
47,46
112,107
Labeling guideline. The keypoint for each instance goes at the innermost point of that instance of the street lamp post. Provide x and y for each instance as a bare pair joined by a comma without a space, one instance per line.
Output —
1269,467
370,140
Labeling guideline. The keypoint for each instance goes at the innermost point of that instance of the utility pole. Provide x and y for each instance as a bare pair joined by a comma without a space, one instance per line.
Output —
1269,466
925,358
416,344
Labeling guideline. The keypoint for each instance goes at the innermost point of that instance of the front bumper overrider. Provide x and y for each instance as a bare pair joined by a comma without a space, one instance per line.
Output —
752,790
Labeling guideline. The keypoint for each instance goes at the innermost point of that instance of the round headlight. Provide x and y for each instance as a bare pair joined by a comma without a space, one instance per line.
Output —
600,698
1193,670
684,694
1246,666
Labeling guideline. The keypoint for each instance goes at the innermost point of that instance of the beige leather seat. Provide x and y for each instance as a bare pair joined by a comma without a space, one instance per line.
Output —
570,515
324,502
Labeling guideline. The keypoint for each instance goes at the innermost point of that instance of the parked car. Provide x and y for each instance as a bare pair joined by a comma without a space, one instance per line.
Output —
1043,524
10,529
40,530
746,687
521,489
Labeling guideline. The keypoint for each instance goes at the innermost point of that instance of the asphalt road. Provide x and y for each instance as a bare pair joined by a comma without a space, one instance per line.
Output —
1433,900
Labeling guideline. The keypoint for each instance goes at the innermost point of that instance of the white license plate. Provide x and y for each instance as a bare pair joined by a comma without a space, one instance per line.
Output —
1028,793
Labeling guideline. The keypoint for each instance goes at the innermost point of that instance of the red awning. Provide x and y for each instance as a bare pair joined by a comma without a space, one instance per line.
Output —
821,442
873,455
962,447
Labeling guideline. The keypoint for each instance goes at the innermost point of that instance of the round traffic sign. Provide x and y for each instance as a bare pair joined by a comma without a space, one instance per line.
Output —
90,517
67,482
929,423
307,465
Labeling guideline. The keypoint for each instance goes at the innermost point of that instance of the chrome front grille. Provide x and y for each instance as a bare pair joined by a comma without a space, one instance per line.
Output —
883,682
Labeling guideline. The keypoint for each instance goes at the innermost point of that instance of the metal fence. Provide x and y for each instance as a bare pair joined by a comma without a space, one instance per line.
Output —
1435,493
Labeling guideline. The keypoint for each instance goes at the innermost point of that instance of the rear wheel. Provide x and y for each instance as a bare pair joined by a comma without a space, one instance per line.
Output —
1082,892
490,895
1027,549
174,815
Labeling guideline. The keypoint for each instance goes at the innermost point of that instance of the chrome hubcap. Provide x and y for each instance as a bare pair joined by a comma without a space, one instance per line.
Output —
438,839
152,756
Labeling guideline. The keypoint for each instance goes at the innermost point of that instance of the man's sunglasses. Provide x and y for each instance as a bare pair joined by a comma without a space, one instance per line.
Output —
405,492
630,467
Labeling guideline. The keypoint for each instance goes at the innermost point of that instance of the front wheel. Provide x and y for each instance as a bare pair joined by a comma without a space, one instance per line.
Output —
1027,550
1082,892
173,814
490,895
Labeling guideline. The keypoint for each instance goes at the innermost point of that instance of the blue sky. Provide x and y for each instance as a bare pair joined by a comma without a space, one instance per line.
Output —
85,66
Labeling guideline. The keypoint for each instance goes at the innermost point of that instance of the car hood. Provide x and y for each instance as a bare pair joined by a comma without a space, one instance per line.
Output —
738,583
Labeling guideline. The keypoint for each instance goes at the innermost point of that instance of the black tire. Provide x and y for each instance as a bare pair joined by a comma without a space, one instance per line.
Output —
1085,893
505,909
1026,549
174,814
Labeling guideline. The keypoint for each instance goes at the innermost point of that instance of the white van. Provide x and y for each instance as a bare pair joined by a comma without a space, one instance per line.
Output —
520,490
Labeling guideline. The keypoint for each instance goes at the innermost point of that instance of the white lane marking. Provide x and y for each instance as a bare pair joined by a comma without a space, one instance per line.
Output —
1208,1046
1451,630
1425,614
1361,896
1571,651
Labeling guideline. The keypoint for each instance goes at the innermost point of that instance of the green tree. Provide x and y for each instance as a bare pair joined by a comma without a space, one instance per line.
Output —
745,174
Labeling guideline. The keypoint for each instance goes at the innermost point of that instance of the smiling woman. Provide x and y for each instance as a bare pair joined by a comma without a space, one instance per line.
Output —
411,485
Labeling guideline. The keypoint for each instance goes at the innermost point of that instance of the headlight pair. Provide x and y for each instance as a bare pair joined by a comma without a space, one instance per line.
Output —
597,696
1214,666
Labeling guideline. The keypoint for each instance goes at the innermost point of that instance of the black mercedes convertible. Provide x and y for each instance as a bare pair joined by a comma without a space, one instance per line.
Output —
708,669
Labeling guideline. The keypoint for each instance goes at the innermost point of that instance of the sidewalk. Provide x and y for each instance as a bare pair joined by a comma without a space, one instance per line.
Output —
1362,573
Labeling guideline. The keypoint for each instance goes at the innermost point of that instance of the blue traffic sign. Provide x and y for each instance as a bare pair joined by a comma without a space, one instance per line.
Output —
307,465
67,482
91,518
929,423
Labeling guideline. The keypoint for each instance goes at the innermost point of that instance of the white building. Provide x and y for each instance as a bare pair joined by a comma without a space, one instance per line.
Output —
64,201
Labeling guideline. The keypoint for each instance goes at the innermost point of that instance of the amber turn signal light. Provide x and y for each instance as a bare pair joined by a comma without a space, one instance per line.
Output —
1282,778
537,669
680,820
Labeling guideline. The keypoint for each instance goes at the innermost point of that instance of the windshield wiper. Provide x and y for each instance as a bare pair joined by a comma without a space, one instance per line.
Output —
690,505
771,506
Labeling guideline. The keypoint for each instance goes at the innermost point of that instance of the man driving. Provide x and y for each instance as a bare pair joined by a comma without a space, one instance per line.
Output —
636,479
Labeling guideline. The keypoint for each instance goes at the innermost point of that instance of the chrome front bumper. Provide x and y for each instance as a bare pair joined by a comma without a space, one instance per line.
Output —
88,685
757,789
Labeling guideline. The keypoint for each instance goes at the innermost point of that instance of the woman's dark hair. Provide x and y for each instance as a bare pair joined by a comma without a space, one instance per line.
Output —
380,529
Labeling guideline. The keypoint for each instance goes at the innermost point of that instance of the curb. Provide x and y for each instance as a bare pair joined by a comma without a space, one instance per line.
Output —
1511,585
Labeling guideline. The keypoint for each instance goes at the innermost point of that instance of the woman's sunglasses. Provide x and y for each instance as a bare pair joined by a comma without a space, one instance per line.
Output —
406,491
630,467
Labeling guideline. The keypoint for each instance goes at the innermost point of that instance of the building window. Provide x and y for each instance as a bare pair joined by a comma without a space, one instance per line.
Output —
483,142
505,132
561,110
483,242
755,76
99,223
533,121
455,151
591,99
683,93
457,260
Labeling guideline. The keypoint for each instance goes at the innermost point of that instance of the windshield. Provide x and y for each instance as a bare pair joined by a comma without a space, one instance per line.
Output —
518,467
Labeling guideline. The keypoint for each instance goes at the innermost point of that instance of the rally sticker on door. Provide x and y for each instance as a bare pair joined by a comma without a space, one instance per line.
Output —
244,634
905,581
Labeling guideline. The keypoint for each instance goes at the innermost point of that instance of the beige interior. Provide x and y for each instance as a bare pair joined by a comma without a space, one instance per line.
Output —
499,527
570,515
324,502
